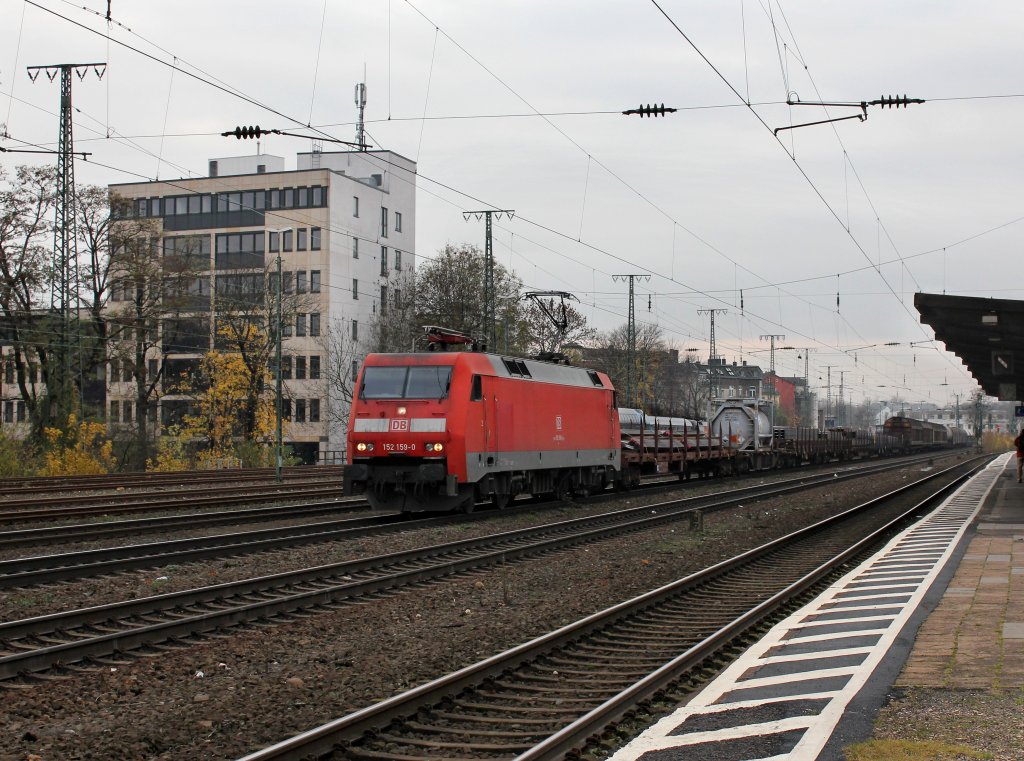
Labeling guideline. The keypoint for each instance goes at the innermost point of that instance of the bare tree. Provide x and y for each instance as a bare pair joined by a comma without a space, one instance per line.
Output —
147,287
342,356
449,293
26,204
544,336
650,354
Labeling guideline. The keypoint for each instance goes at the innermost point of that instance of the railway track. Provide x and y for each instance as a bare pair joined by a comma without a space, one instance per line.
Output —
39,644
61,484
83,532
46,569
80,506
552,696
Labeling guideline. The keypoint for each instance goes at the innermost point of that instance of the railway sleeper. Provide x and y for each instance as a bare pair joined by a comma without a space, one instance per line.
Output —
470,718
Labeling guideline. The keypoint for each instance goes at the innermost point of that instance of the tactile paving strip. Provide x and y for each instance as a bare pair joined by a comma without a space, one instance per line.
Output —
782,699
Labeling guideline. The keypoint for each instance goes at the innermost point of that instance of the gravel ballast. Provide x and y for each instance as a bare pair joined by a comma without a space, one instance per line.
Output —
226,696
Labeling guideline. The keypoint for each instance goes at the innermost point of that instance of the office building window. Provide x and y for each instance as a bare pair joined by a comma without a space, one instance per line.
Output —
314,324
383,222
314,367
383,261
302,197
355,330
8,412
115,411
286,240
314,239
239,250
300,282
398,221
286,282
318,195
286,409
286,367
300,368
300,325
274,243
300,410
355,368
127,407
300,239
21,412
314,410
383,297
355,206
355,248
398,259
314,281
355,288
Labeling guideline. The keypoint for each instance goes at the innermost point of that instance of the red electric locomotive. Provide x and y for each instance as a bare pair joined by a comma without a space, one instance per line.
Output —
443,430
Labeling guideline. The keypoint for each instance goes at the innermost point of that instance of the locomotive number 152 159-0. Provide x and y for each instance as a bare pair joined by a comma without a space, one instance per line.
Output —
397,447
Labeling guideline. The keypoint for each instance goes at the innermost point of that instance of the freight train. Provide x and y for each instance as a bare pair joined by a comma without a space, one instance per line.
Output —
446,430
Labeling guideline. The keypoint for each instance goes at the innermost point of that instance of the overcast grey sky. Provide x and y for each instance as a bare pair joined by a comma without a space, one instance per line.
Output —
707,200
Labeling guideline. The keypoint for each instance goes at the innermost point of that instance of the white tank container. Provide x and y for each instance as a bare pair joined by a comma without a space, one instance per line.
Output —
742,423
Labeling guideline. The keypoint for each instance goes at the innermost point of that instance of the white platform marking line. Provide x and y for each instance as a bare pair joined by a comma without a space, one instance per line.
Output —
732,733
657,737
812,639
660,737
797,676
825,624
769,660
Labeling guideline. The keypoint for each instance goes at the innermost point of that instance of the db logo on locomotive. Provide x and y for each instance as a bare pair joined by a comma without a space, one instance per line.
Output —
398,424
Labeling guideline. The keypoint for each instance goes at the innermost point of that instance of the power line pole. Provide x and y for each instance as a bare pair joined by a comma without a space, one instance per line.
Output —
771,337
490,297
828,392
841,404
771,368
630,336
64,288
713,355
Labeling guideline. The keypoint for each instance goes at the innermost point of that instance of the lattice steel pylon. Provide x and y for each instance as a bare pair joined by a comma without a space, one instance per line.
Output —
64,288
713,350
630,338
490,294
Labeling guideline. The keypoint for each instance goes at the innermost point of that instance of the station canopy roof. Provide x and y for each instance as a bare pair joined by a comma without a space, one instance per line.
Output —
987,334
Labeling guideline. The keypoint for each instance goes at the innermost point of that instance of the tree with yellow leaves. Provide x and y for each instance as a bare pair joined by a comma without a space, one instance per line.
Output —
232,419
78,449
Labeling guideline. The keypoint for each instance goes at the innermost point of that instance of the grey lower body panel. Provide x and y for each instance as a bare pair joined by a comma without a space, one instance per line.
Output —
481,464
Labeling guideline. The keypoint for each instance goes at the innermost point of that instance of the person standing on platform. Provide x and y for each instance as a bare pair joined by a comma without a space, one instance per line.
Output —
1019,444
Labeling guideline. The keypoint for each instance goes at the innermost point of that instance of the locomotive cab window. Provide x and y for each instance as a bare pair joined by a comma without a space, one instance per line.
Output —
406,382
594,378
476,394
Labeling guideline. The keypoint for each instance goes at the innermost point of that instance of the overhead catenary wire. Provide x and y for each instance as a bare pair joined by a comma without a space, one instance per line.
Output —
459,191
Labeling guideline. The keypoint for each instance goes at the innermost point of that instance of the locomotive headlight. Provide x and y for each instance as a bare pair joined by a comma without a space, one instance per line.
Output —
401,410
435,448
362,446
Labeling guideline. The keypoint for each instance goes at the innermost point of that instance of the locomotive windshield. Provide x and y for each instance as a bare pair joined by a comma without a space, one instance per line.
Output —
406,382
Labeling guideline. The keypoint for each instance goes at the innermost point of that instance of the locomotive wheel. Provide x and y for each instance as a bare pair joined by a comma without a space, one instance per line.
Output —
500,501
563,489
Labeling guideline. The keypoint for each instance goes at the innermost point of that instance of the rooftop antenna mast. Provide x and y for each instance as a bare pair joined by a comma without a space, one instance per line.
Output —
361,105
